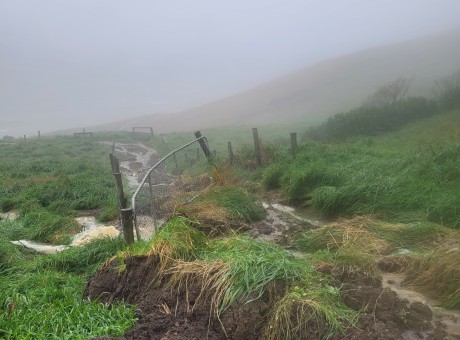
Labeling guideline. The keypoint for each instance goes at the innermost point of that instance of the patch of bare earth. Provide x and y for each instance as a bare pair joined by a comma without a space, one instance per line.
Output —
166,313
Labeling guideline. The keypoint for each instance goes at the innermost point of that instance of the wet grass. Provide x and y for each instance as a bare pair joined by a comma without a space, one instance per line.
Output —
42,295
239,268
238,202
49,181
352,245
399,177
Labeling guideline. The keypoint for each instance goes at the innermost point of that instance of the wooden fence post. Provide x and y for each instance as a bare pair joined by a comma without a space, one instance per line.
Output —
25,139
38,134
230,153
127,219
126,214
255,135
203,145
293,144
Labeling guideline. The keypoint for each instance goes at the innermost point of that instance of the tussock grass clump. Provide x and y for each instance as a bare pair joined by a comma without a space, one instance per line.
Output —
239,203
207,212
303,311
238,267
359,233
241,267
422,234
351,245
303,180
272,175
437,274
176,240
214,221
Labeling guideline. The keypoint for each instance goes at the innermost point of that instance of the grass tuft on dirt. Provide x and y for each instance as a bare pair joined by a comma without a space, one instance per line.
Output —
437,273
239,203
309,312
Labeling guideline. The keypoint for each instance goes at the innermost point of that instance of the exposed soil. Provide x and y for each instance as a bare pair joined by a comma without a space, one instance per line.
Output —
165,313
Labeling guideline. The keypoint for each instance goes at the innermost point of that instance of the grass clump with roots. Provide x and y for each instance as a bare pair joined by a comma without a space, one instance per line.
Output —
238,268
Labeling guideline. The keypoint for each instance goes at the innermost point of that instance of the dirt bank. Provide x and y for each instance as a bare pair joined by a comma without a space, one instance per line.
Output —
174,313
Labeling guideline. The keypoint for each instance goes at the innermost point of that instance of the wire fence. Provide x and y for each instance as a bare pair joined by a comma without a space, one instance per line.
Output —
177,178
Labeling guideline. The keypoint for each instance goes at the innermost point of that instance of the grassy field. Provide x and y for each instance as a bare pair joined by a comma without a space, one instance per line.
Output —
49,182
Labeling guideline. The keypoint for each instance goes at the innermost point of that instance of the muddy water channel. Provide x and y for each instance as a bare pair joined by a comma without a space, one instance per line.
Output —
449,318
282,221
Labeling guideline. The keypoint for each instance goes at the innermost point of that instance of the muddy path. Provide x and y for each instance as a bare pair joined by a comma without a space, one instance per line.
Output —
135,160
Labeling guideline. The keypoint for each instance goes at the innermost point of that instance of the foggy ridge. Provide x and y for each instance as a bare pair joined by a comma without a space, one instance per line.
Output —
316,92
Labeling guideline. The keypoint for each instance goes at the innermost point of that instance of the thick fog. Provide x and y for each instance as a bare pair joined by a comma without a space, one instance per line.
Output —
75,63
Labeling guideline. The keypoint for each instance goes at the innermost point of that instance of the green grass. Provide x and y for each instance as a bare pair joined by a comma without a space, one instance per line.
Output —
412,174
42,295
49,305
51,179
238,202
48,181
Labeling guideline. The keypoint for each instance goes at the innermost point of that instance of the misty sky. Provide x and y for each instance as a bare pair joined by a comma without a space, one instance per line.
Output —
70,63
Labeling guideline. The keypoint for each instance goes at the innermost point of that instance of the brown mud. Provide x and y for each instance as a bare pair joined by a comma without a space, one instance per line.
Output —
177,313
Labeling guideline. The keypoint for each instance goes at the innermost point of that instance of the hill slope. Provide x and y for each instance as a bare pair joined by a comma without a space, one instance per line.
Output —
318,91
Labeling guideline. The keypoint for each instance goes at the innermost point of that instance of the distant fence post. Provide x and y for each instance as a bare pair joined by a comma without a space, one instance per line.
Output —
25,139
203,145
38,134
255,135
293,144
230,153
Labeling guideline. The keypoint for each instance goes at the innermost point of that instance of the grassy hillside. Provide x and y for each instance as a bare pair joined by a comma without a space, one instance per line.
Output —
411,174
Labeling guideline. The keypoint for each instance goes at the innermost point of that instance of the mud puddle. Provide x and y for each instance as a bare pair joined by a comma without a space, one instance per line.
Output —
449,318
